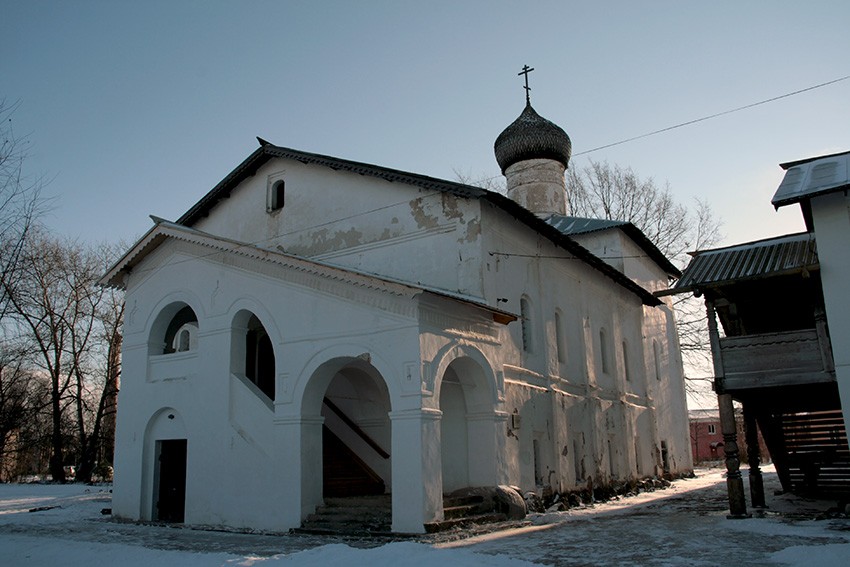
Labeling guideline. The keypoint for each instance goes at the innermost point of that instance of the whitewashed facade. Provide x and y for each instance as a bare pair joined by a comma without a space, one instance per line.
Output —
469,340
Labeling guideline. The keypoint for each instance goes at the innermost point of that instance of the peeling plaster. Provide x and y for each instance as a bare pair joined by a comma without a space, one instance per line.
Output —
473,231
450,206
423,219
324,241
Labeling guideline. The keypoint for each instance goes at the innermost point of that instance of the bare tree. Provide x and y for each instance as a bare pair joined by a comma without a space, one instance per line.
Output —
69,324
20,200
612,192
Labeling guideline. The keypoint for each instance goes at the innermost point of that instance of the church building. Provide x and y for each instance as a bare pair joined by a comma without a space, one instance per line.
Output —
317,327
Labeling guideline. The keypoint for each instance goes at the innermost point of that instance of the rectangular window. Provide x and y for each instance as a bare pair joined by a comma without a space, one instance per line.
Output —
711,429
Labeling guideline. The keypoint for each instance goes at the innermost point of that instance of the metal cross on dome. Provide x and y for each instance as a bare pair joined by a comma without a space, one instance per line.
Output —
525,71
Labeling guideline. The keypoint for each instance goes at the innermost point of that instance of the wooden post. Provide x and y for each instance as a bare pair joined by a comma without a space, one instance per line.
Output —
734,481
823,340
754,458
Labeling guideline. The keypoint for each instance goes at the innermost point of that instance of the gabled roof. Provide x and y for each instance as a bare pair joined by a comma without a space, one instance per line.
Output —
268,151
579,225
782,255
164,230
811,177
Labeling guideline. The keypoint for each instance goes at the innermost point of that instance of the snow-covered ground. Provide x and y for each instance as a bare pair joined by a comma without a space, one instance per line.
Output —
683,525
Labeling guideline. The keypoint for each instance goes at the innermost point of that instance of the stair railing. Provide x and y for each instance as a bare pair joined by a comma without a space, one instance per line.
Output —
356,429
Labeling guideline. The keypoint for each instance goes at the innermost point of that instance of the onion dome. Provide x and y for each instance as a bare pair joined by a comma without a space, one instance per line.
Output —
532,137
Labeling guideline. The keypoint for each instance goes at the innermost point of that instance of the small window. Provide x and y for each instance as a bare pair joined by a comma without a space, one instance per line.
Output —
561,344
656,355
603,350
181,333
711,429
525,315
626,361
277,193
186,338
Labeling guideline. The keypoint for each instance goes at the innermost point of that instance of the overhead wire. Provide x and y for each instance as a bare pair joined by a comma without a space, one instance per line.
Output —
715,115
697,120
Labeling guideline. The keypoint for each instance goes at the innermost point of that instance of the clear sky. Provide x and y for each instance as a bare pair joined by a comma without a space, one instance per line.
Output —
138,108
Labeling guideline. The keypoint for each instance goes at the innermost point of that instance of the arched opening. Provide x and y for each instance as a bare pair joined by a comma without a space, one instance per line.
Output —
175,329
454,433
165,463
346,432
467,426
252,353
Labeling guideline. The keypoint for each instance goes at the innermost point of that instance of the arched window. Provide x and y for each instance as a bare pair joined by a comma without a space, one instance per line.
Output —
259,357
181,333
186,338
560,339
276,197
525,317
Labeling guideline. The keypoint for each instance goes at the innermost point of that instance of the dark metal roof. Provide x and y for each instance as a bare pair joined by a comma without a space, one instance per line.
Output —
267,151
532,137
792,253
811,177
580,225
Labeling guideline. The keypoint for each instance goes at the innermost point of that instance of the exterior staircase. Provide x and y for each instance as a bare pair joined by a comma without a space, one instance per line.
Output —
351,515
345,474
372,515
462,512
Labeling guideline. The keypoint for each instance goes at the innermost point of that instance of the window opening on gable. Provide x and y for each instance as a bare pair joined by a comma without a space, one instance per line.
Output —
277,194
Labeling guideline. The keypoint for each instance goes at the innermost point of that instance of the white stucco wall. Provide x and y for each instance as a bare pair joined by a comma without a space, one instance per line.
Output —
449,369
359,222
831,218
243,452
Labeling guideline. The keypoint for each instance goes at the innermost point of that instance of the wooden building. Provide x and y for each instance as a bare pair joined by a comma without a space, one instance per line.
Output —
774,349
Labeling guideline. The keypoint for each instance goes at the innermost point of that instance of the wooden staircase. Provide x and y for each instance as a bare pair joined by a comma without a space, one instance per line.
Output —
345,474
810,452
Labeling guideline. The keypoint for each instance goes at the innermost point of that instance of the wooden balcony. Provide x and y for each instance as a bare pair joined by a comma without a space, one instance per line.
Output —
770,360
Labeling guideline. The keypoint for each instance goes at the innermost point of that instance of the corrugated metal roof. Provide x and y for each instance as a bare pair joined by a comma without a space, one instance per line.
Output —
808,178
581,225
781,255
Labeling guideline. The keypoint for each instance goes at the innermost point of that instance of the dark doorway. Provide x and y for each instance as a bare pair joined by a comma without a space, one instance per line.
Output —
171,494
